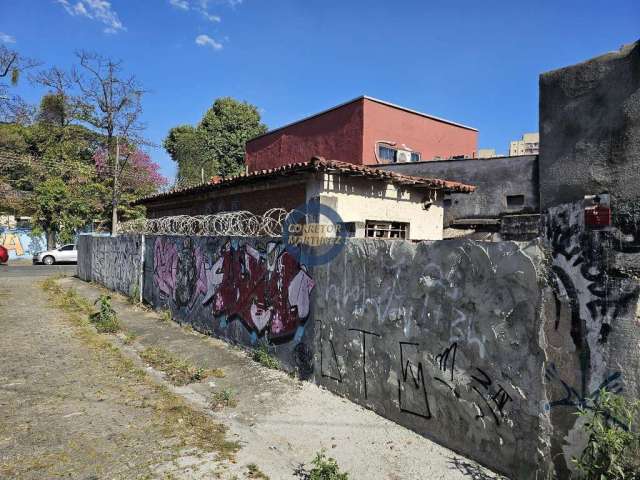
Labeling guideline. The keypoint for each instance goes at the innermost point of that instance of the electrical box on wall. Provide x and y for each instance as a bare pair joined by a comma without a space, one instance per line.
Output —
597,211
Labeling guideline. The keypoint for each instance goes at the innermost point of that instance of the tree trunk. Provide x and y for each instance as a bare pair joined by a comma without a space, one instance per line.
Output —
114,198
51,239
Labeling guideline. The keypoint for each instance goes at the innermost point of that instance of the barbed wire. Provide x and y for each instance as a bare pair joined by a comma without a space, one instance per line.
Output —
227,224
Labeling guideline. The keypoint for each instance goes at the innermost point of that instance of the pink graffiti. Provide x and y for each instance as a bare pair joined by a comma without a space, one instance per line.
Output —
165,265
267,292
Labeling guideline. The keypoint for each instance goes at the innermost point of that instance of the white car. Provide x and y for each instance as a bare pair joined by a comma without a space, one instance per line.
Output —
66,253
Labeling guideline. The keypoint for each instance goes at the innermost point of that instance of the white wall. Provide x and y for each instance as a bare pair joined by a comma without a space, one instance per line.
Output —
358,200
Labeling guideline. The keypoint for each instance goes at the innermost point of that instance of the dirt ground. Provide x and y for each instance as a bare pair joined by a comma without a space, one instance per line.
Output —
78,404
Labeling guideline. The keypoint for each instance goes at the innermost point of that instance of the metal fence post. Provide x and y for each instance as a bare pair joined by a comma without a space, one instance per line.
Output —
141,281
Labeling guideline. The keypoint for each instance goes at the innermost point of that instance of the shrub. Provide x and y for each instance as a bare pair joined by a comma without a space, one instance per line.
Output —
326,468
263,357
166,315
613,448
105,319
224,398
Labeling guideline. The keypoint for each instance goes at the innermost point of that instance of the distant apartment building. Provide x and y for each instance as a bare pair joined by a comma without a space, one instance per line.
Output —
529,144
363,131
487,153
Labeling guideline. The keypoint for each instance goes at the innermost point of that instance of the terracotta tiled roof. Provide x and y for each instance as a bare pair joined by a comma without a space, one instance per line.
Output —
316,164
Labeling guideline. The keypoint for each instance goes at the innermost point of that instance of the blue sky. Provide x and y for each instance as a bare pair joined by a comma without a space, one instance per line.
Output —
474,62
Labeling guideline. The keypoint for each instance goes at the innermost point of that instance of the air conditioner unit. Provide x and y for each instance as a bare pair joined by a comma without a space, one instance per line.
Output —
403,156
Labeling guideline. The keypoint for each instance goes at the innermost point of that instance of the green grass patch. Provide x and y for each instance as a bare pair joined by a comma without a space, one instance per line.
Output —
224,398
177,370
253,471
264,358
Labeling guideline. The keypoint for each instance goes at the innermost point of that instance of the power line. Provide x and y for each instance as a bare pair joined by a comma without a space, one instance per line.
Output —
14,160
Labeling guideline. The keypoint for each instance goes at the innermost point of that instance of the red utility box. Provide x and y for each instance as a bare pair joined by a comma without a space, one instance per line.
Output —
597,216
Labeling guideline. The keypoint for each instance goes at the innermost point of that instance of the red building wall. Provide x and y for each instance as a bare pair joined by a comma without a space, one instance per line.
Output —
421,134
336,135
349,133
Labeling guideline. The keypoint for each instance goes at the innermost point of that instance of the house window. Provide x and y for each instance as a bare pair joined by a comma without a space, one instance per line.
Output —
515,201
389,230
386,154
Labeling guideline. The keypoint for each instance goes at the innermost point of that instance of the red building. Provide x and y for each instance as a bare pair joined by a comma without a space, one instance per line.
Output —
364,131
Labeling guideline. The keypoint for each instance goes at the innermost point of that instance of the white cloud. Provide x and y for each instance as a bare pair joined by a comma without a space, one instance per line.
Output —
210,17
6,38
99,10
181,4
207,41
201,6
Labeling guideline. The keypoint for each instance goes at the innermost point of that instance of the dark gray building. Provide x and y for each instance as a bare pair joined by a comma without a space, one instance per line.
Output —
504,186
590,129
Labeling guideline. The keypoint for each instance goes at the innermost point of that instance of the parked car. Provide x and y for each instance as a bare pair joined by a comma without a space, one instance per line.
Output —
66,253
4,255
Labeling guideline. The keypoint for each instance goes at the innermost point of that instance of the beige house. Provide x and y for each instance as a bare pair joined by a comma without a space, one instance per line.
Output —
370,202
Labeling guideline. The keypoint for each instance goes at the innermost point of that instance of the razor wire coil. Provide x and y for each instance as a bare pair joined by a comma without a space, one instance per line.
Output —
228,224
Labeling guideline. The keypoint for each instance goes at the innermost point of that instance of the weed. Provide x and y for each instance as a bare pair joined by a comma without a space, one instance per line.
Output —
134,298
263,357
165,315
254,472
129,338
613,448
178,371
224,398
105,319
325,468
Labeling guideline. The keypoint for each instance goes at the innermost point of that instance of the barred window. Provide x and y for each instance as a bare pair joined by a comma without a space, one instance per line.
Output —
390,230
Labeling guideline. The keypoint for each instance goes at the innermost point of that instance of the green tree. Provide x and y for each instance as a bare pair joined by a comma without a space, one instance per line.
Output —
187,147
216,146
61,209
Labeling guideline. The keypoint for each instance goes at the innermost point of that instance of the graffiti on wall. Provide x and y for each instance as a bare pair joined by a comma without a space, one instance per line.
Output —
593,301
116,262
21,242
439,337
263,287
417,382
581,279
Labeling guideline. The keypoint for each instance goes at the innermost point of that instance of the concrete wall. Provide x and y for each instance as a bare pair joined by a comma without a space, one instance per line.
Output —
495,179
417,332
591,328
590,129
489,348
247,291
441,337
115,262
